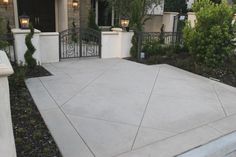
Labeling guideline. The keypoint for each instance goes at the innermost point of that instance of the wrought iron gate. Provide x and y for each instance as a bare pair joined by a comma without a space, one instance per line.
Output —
80,42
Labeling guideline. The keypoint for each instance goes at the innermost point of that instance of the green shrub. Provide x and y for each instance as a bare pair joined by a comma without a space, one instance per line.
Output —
31,62
17,79
154,48
138,12
134,49
3,43
210,41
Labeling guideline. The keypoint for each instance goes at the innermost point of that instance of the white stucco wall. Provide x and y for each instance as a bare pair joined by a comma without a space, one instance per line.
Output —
7,144
110,44
154,24
46,45
49,47
156,21
116,44
20,47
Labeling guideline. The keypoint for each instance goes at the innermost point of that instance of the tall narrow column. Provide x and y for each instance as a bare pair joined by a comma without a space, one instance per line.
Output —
62,15
15,14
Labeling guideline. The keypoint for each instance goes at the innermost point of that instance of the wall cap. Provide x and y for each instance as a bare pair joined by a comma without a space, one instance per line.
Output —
110,33
191,13
49,34
23,31
5,66
174,13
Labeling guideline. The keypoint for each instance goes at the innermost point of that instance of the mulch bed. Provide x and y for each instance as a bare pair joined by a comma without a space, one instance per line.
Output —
32,136
225,74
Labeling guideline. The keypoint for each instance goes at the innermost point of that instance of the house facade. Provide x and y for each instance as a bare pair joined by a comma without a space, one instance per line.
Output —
47,15
58,15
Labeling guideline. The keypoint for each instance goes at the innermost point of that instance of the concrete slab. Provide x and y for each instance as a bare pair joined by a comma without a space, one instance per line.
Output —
66,136
103,136
149,135
108,104
186,112
41,97
176,144
115,107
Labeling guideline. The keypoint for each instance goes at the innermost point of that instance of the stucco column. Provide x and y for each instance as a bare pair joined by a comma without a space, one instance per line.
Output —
16,14
62,6
192,18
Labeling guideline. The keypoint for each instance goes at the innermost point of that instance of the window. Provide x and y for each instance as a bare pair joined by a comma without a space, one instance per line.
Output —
104,14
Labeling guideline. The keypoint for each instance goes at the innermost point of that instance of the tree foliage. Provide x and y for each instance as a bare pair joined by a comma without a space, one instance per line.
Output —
31,62
137,11
210,41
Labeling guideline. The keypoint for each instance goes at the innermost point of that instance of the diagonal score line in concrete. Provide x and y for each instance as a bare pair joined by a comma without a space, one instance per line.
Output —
68,119
218,97
90,82
144,112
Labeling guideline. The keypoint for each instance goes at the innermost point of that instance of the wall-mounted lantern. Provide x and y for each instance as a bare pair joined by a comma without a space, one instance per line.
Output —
75,4
182,17
124,22
4,3
24,21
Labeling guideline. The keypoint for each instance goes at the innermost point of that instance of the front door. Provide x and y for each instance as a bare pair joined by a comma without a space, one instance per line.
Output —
41,12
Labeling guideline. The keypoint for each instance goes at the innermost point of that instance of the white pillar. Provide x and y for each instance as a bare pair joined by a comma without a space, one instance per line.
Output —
192,18
7,144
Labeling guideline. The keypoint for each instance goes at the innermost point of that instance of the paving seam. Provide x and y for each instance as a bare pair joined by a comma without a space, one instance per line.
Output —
67,118
147,145
62,71
215,129
88,84
120,123
218,97
157,74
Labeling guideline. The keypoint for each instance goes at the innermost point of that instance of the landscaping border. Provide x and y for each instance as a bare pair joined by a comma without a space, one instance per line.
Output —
32,136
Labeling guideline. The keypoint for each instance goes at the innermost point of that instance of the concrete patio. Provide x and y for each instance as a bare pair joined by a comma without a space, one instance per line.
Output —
119,108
